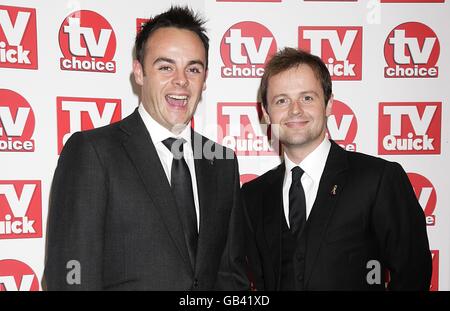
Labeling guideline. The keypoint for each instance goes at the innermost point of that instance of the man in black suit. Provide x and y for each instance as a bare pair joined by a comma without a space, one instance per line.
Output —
327,219
147,203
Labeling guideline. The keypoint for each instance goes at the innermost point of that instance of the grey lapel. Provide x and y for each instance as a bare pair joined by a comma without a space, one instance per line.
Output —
142,152
206,175
333,175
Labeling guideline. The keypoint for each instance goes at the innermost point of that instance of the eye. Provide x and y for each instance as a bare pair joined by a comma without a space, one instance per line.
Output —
164,68
281,101
194,70
308,98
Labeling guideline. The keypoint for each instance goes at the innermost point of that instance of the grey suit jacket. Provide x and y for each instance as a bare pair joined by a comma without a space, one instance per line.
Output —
112,210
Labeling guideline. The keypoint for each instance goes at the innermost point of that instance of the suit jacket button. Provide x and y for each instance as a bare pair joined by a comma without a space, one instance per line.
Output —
300,277
195,283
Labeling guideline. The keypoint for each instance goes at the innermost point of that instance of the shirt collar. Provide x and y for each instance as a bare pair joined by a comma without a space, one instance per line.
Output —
314,163
158,133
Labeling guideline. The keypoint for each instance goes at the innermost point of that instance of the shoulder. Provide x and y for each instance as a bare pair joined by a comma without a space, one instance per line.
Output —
365,164
99,136
361,159
258,185
206,148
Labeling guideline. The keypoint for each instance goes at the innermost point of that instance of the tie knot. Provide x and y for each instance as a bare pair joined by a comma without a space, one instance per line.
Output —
297,173
175,145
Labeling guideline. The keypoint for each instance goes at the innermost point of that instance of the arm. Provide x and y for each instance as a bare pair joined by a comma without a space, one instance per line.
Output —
76,218
399,224
253,257
232,274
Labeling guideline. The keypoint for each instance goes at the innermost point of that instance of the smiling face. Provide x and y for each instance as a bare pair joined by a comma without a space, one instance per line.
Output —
296,108
173,76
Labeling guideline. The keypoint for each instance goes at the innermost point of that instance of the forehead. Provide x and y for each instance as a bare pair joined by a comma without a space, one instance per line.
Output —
298,77
171,39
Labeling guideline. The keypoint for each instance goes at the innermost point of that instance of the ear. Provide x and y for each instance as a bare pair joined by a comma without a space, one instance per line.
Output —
329,107
204,82
266,115
138,72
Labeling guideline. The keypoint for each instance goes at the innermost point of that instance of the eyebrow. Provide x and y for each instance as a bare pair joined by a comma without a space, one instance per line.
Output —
171,61
301,93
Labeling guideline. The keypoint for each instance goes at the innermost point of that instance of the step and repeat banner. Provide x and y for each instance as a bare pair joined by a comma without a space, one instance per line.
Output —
66,66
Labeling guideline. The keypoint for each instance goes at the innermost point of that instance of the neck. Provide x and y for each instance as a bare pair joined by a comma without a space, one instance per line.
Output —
177,129
297,153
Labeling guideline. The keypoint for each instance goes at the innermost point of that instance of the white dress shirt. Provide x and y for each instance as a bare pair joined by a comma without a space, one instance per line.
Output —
313,165
159,133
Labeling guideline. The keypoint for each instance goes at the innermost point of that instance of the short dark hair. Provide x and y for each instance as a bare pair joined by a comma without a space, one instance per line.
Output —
178,17
288,58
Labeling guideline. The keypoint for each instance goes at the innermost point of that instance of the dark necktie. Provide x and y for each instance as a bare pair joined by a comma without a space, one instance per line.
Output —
297,203
181,183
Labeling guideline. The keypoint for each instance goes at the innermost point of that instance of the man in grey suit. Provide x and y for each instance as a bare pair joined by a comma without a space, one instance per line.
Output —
147,203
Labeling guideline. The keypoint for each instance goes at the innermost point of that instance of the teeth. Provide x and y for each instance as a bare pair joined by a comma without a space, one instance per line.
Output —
178,97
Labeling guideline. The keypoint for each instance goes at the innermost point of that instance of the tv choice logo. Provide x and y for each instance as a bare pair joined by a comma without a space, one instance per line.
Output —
76,114
342,125
411,50
17,276
16,123
339,47
240,129
20,209
434,285
87,42
426,195
18,38
245,48
409,128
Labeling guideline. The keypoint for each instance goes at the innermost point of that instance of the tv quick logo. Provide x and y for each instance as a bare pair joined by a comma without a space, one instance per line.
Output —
426,195
339,47
409,128
79,114
20,209
411,50
342,125
16,123
140,22
18,38
434,285
17,276
87,42
245,48
240,129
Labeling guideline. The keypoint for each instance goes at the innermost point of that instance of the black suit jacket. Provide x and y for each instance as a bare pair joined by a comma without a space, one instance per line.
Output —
112,210
372,214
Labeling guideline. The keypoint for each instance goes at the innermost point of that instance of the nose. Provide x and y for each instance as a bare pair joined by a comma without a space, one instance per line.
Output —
296,107
180,79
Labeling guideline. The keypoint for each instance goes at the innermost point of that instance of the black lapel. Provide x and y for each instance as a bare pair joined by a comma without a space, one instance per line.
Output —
140,149
331,185
273,213
206,175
